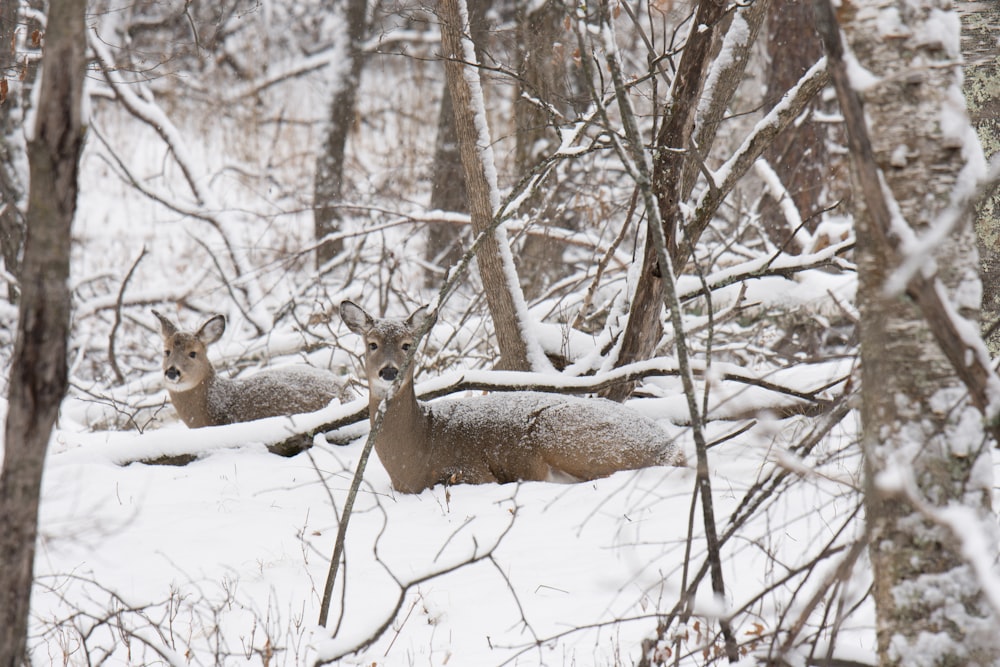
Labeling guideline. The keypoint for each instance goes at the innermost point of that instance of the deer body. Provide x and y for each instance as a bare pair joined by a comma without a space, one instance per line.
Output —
201,397
518,436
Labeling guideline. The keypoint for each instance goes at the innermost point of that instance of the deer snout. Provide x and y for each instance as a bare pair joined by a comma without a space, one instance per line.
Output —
388,373
172,374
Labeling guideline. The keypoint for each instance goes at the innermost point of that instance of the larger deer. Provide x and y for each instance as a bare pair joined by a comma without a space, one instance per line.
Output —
529,436
204,398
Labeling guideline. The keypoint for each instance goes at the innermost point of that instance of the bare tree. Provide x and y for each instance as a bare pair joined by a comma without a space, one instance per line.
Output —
798,156
545,98
924,445
38,373
328,186
496,266
448,191
673,138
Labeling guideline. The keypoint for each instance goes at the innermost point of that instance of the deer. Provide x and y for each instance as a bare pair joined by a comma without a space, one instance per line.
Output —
202,397
497,437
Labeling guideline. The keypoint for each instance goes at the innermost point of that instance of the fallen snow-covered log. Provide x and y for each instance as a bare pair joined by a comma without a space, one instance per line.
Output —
735,393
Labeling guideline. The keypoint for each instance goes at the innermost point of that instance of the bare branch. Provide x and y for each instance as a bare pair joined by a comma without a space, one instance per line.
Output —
112,358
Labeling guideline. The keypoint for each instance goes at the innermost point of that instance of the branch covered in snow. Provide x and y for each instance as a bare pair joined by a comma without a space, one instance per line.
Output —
784,113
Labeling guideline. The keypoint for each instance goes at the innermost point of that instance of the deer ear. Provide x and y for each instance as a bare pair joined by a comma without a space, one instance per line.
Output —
416,318
167,328
212,330
355,317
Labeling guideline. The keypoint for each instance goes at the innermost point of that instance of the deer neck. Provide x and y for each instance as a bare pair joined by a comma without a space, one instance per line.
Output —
194,405
401,443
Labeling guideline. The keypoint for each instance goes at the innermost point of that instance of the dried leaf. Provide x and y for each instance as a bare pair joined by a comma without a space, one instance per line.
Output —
3,90
36,38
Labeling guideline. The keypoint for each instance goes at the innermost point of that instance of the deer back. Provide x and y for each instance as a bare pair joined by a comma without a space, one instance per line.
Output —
501,437
204,398
534,436
281,391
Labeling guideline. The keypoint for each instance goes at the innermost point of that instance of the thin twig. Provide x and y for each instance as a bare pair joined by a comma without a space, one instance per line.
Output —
112,357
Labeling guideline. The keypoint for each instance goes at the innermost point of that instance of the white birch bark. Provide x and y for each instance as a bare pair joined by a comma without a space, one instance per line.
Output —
925,448
980,26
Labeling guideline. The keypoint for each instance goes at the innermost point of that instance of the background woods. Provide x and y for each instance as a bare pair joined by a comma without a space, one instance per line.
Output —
769,227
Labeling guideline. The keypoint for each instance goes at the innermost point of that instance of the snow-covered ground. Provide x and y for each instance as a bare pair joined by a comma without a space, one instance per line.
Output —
226,558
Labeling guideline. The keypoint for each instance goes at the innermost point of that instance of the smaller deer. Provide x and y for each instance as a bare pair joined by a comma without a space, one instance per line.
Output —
503,437
204,398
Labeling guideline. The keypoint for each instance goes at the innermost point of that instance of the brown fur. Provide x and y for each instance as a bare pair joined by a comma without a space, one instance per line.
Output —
499,437
204,398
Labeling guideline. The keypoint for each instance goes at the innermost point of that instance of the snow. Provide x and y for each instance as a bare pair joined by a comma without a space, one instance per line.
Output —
861,78
223,561
240,539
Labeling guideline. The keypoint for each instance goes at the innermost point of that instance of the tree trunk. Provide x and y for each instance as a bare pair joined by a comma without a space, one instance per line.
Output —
328,183
798,155
726,76
448,192
545,78
496,266
12,101
644,328
38,372
444,242
980,26
924,447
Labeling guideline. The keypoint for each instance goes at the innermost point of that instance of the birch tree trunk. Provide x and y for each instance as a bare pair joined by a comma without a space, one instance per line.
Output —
38,372
926,453
496,265
980,27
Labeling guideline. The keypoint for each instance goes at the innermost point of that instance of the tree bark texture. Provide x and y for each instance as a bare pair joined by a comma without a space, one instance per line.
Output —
447,191
496,267
15,78
798,155
724,79
545,91
923,442
644,328
328,183
444,242
38,372
980,27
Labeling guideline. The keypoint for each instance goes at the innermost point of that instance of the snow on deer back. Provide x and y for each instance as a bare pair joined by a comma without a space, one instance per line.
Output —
501,437
204,398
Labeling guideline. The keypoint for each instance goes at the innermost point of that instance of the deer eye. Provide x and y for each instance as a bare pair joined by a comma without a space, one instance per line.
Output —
193,354
372,346
166,353
406,347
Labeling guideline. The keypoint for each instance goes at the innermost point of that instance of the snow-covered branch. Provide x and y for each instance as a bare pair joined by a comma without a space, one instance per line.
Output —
725,178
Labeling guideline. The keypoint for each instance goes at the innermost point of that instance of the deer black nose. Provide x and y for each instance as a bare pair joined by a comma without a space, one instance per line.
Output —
172,374
388,373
